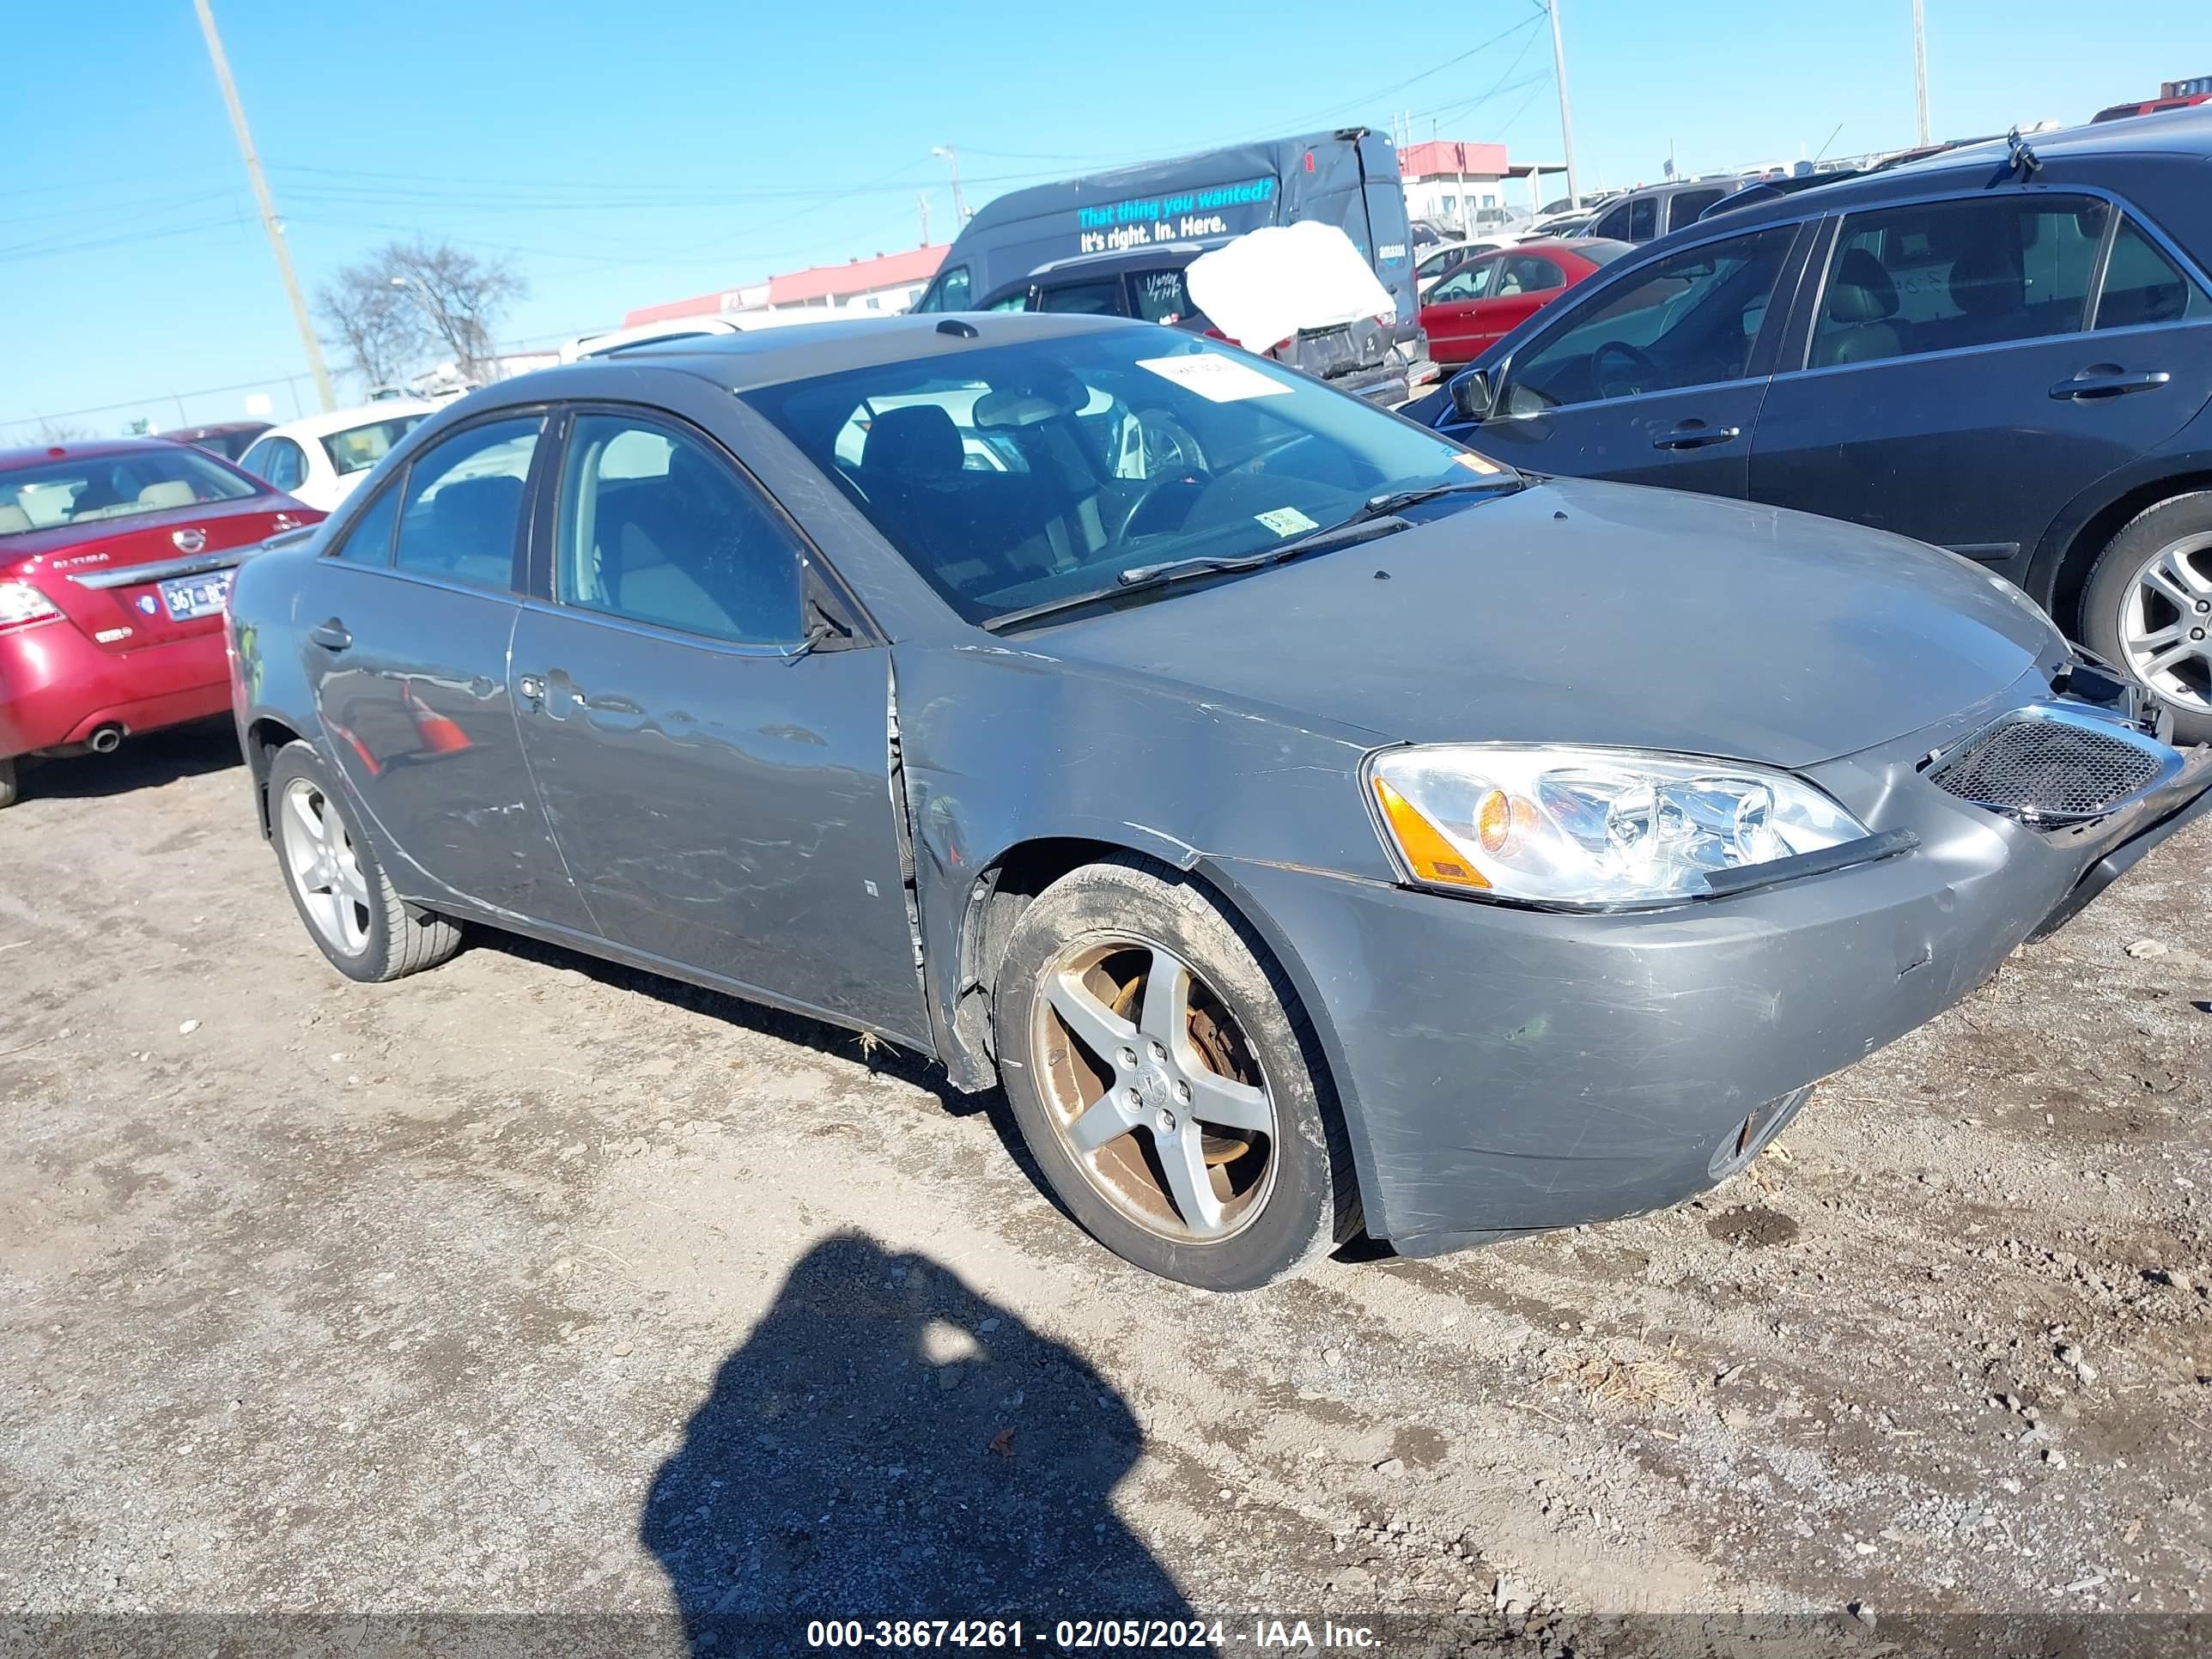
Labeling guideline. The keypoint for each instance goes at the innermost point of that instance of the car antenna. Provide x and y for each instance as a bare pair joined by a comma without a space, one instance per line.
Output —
2025,161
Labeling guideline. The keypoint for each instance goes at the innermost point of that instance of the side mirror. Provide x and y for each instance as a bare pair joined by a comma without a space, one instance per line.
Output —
1473,396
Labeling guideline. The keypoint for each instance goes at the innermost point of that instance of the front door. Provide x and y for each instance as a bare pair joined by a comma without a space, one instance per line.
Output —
1652,377
407,629
722,795
1964,383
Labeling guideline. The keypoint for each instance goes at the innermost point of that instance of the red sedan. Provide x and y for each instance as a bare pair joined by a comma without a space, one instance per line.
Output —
115,559
1475,304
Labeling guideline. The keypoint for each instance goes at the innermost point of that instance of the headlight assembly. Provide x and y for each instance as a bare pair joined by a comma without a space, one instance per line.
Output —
1570,826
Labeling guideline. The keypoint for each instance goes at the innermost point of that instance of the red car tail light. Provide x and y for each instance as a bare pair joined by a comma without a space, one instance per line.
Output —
22,605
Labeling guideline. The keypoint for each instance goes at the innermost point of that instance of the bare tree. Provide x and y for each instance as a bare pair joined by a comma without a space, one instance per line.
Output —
60,432
380,327
461,297
409,299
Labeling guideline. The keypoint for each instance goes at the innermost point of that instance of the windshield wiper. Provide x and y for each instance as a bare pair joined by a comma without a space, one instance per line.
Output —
1391,500
1361,526
1356,529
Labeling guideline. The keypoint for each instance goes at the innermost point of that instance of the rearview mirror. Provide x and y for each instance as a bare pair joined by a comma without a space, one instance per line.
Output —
1472,395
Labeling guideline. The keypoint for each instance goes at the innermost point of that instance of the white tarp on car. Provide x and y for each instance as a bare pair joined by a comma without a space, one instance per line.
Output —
1269,283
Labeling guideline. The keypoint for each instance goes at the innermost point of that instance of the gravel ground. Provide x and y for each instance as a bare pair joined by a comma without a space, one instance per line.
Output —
531,1285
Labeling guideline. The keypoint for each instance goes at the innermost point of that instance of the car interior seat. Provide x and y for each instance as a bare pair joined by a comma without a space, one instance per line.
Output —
1989,287
170,492
471,530
1861,306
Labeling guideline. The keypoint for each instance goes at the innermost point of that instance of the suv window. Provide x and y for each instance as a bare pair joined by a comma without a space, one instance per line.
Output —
2142,285
464,504
657,527
1089,299
1944,276
1613,222
1644,219
1687,320
1687,207
1159,295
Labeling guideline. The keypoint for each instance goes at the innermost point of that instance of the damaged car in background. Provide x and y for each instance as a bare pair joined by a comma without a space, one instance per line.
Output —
1334,828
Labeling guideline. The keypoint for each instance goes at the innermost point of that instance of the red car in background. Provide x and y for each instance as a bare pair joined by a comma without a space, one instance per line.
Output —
1477,303
115,561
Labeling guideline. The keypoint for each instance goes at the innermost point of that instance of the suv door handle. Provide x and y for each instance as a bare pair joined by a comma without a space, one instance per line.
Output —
1695,435
332,635
2108,380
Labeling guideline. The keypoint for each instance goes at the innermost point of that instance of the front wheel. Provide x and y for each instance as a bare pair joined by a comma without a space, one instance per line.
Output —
2148,608
335,883
1163,1079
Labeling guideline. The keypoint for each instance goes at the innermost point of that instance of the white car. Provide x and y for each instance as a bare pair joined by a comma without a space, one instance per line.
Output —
1435,261
319,459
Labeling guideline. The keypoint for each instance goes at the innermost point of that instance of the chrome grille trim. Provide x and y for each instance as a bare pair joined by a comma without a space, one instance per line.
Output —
2053,764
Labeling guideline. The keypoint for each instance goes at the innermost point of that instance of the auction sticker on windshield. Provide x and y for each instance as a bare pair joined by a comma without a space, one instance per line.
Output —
1286,521
1474,463
1216,379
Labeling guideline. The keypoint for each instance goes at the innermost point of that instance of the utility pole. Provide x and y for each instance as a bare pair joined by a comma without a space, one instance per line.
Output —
269,221
1920,63
921,200
959,208
1566,116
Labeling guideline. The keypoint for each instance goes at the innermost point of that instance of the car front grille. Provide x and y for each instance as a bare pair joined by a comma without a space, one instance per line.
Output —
2048,765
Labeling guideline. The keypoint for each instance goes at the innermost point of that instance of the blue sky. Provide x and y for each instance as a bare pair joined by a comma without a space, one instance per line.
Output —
629,154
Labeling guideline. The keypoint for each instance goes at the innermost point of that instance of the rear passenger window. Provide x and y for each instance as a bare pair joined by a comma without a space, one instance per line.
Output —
2142,285
1688,207
1087,299
1644,219
1949,276
656,527
369,540
464,504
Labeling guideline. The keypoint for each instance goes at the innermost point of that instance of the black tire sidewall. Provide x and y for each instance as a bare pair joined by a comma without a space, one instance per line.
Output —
2115,571
1299,1218
296,761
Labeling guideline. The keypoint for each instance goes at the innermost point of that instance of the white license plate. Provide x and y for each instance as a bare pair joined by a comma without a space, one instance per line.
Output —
187,597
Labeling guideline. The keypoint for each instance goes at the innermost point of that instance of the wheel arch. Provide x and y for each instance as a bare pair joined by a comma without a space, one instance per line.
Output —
2059,577
1005,887
264,735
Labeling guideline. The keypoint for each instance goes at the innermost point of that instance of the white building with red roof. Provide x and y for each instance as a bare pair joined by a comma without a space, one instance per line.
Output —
885,285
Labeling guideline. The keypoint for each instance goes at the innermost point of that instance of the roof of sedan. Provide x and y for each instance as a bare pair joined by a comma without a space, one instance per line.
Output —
2177,132
32,454
769,357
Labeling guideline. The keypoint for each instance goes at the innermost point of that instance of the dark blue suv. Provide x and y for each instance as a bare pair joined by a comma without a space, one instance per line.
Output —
2004,349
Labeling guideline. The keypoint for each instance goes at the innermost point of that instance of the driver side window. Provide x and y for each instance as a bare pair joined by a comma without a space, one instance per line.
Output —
1687,319
1468,283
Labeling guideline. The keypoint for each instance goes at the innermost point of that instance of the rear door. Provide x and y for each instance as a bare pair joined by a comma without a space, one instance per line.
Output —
1964,375
722,793
1454,312
1653,374
407,621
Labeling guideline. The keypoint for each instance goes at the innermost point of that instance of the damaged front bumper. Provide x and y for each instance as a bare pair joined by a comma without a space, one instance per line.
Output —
1506,1070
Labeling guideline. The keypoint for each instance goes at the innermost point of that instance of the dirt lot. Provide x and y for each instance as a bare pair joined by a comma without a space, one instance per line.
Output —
531,1285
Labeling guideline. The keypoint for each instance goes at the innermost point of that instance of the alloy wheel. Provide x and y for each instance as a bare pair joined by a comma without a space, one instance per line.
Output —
2165,622
319,857
1153,1086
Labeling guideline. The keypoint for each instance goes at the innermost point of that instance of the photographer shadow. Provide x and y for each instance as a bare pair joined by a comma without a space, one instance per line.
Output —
888,1444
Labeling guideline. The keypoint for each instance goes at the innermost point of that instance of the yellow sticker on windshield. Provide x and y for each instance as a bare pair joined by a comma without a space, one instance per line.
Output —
1286,521
1474,463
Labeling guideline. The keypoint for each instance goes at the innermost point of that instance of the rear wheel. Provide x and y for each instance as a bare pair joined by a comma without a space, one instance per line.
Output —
337,884
10,794
2148,608
1160,1073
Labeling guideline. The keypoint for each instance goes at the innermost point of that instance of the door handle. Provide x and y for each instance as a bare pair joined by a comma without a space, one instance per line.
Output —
1695,435
332,635
2108,380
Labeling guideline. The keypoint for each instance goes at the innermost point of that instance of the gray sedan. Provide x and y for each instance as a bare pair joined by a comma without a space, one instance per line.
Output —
1312,825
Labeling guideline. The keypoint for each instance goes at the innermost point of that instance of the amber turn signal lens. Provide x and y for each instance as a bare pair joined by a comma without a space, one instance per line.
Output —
1430,855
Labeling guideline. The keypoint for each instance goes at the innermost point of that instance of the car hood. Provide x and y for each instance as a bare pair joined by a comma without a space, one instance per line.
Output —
1594,613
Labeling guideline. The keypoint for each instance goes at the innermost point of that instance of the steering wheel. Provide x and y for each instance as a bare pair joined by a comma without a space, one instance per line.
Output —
1195,479
1642,370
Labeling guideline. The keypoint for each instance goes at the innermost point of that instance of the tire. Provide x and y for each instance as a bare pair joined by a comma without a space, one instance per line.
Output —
2178,534
10,791
354,917
1281,1196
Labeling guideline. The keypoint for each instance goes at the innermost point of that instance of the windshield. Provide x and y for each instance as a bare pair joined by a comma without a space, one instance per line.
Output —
358,448
1019,475
86,490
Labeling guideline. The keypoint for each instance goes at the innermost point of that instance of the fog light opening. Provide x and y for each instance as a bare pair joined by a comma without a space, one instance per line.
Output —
1751,1137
